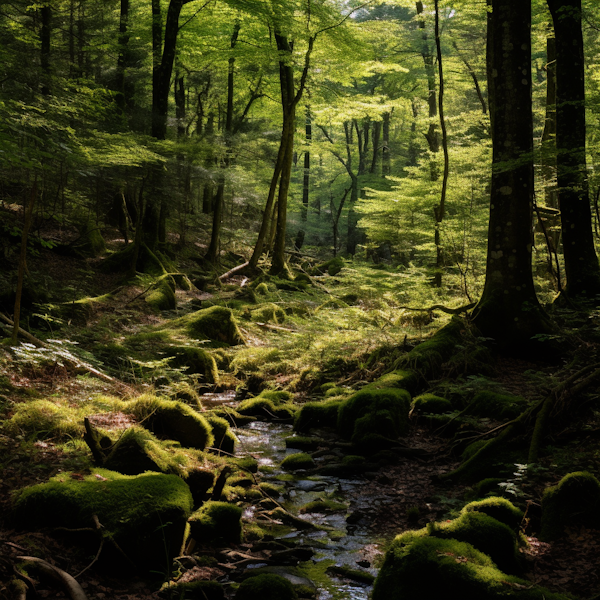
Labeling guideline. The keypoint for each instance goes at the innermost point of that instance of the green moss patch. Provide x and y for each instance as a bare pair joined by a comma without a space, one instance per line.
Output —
317,414
332,304
172,419
575,501
303,443
197,360
266,586
295,462
217,522
497,406
269,404
430,403
401,379
162,295
322,506
216,323
145,514
331,267
225,439
268,313
499,508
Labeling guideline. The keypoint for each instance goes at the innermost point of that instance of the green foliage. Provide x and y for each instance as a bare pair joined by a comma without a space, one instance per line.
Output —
217,522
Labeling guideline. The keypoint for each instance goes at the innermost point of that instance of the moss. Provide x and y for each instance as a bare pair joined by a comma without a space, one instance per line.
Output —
182,281
268,313
331,267
427,357
499,508
91,242
575,501
332,304
42,419
217,522
147,262
197,360
145,514
401,379
269,404
295,462
322,506
497,406
317,414
182,390
247,463
427,568
225,439
266,586
215,323
337,391
354,574
262,289
430,403
173,419
271,489
199,480
303,443
252,360
381,412
232,416
207,590
137,451
299,309
484,487
162,295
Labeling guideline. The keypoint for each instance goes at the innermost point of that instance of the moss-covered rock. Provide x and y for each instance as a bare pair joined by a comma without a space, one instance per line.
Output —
183,391
401,379
499,508
42,419
266,586
331,267
295,462
268,313
430,568
575,501
225,439
497,406
217,522
199,480
162,295
197,360
145,514
138,451
317,414
269,404
322,506
216,323
430,403
172,419
372,415
233,416
303,443
262,289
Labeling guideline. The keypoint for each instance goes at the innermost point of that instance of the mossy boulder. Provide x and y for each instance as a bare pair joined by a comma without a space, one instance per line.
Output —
331,267
216,323
225,439
172,419
303,443
217,522
269,404
262,289
266,586
401,379
497,406
43,419
372,416
499,508
573,502
268,313
295,462
138,451
197,360
317,414
199,480
162,295
430,403
145,514
193,590
430,568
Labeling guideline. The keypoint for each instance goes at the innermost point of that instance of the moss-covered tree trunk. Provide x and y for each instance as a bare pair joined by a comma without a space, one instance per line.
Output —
581,263
509,310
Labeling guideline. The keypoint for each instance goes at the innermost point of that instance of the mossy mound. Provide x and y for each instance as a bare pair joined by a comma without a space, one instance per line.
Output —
498,508
298,309
331,267
430,403
295,462
428,357
401,379
266,586
197,361
216,323
269,404
372,416
332,304
199,480
317,414
225,439
138,451
162,295
268,313
233,416
429,568
43,419
497,406
172,419
193,590
262,289
217,522
575,501
303,443
183,391
145,514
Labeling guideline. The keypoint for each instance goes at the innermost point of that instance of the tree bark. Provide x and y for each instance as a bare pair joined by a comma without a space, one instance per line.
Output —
581,263
385,149
306,173
548,149
122,98
45,33
509,310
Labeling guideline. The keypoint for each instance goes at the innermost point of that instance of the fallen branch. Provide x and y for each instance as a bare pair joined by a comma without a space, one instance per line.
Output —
70,585
275,327
449,311
233,271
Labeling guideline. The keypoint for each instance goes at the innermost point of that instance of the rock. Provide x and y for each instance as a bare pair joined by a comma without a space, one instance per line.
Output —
217,522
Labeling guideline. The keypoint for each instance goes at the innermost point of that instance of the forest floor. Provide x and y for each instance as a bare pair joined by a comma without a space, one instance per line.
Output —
345,330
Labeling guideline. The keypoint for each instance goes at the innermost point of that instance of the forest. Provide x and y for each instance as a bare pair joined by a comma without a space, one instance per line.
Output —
299,299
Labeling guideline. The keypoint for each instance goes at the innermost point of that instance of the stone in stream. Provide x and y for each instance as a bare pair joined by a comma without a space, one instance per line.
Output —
306,485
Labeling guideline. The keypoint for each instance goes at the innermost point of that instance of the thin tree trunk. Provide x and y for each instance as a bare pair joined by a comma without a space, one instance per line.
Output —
45,33
385,150
548,149
122,98
306,174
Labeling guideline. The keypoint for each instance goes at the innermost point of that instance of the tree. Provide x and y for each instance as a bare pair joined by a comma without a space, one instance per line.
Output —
508,310
581,263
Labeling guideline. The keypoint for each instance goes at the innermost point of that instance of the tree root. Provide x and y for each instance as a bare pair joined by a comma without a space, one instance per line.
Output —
445,309
69,584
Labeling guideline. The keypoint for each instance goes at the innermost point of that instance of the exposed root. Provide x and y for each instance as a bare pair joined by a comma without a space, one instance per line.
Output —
69,584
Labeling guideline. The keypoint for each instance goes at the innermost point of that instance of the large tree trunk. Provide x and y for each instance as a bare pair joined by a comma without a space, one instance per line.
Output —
306,173
385,148
122,98
509,310
581,263
548,149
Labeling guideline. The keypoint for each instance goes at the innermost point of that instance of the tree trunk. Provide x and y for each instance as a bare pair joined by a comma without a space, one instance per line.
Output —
46,13
509,310
376,144
122,98
180,111
306,174
385,150
548,150
581,263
